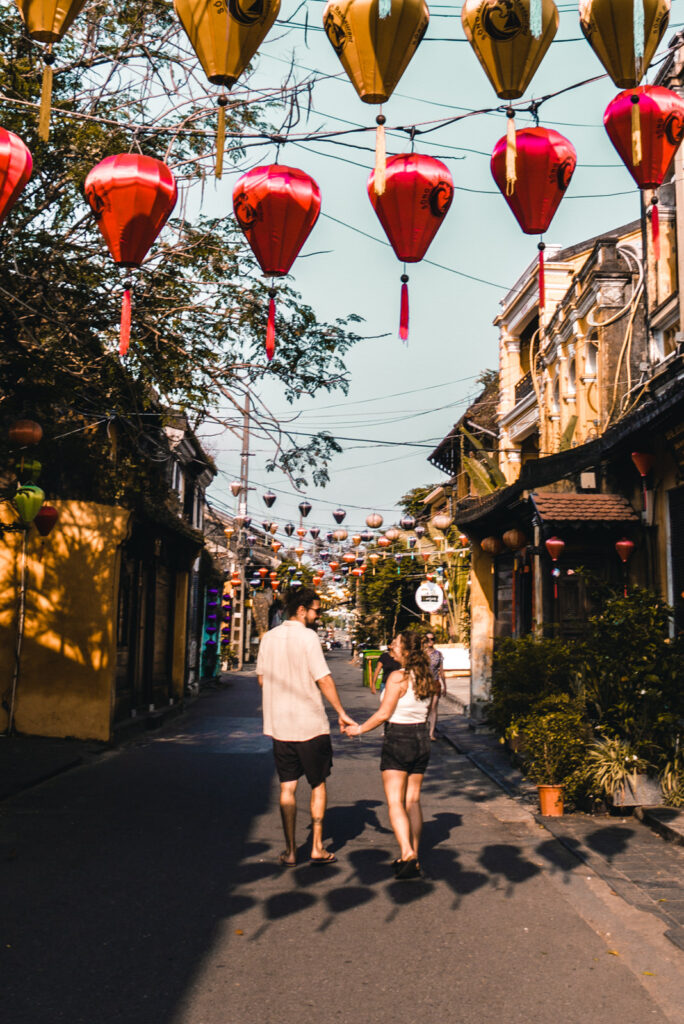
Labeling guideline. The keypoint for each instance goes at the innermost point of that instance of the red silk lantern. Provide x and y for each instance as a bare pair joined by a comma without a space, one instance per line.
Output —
16,165
555,547
276,208
416,198
384,542
263,572
646,126
624,548
45,519
334,566
132,197
643,462
545,162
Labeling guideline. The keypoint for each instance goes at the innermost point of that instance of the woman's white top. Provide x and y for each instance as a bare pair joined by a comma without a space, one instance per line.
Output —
410,710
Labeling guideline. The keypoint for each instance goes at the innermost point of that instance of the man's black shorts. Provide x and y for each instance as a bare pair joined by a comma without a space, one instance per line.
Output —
312,758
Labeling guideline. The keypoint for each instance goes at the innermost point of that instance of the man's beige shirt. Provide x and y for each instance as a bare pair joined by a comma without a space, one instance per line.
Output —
291,660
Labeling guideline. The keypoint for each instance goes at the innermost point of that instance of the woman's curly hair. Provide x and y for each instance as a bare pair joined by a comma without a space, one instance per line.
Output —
417,664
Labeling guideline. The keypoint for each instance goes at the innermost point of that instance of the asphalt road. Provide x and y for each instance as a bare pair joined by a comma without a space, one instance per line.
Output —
144,889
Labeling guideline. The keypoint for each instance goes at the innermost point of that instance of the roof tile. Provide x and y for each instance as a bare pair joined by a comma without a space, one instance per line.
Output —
573,507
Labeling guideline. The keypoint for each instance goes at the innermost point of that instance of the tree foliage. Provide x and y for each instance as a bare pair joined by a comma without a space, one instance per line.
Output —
126,80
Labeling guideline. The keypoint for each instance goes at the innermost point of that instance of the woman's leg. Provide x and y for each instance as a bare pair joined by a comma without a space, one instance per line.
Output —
414,811
432,716
395,783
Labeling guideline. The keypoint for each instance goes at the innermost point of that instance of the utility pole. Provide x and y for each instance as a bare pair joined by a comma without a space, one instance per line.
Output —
242,549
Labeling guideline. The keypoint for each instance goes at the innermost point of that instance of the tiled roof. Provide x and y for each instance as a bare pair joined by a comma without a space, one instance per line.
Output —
571,507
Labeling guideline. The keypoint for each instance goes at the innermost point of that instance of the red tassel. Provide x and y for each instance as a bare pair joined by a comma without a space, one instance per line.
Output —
542,282
655,228
270,330
404,311
125,328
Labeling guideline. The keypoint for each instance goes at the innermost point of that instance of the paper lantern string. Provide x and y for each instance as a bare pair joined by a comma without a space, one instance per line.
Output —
655,226
270,329
511,153
636,131
125,326
46,95
222,102
404,309
542,283
380,156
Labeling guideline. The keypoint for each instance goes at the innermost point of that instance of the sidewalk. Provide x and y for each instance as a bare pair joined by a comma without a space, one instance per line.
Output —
640,866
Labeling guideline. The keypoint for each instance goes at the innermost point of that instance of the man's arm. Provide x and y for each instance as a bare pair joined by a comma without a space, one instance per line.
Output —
327,687
260,680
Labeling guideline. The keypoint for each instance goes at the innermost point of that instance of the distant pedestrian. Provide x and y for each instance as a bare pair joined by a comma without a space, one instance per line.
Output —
437,668
294,677
386,664
406,747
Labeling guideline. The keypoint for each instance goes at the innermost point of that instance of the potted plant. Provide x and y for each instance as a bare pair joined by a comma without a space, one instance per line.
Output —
553,749
672,780
614,770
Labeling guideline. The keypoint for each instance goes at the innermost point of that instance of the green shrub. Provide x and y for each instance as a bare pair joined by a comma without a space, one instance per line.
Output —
555,738
527,671
610,763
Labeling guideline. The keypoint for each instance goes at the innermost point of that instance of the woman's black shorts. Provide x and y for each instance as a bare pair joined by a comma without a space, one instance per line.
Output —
406,748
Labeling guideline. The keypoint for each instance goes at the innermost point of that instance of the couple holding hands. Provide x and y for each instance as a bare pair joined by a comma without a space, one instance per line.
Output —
294,676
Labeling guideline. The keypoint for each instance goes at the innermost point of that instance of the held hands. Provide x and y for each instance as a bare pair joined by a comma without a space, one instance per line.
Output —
352,730
344,721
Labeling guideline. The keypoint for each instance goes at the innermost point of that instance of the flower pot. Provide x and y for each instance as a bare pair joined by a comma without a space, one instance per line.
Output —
551,801
639,790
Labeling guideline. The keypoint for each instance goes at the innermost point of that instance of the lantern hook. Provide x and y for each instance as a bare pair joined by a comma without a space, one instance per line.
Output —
412,136
534,111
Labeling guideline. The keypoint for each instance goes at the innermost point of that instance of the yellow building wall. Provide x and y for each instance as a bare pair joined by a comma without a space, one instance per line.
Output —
68,657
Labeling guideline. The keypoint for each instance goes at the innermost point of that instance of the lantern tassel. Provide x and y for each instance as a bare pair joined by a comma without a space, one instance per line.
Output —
384,8
655,227
125,327
542,280
636,131
380,157
536,18
45,99
404,309
220,136
270,329
511,154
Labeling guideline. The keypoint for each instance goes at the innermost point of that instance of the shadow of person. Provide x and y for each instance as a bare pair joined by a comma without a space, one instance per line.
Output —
345,822
505,860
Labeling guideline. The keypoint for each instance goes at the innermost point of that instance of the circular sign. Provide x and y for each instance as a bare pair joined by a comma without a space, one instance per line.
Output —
429,597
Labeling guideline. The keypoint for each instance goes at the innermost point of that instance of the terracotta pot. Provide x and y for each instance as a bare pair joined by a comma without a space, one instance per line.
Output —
551,801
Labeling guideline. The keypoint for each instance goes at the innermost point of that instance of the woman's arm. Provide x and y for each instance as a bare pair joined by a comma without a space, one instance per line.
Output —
395,687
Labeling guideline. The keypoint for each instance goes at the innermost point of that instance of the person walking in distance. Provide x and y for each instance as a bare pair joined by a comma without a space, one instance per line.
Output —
406,746
437,668
294,677
386,664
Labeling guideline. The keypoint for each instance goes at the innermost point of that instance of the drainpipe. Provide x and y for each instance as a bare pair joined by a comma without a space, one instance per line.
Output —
537,584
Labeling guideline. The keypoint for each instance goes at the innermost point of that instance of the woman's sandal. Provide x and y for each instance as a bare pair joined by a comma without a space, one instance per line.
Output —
405,869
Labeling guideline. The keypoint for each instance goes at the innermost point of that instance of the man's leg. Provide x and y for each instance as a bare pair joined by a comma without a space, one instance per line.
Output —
432,716
319,801
288,814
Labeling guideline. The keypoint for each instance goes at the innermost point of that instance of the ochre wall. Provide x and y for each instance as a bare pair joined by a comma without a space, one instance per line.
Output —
68,657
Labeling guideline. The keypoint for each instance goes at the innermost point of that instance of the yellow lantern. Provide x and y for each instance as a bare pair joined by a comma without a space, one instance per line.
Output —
47,21
624,35
225,35
375,40
501,36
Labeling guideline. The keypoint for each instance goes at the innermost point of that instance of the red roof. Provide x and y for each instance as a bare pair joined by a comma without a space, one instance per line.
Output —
571,507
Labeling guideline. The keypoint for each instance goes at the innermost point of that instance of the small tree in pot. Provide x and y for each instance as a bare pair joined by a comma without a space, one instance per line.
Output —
555,740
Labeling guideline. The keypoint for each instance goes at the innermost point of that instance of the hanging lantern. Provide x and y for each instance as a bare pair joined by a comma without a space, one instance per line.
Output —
392,534
644,463
407,522
273,574
132,197
366,536
545,163
340,535
356,572
275,584
47,21
374,559
235,488
289,529
229,531
624,35
555,547
339,515
225,36
276,546
301,532
334,566
624,548
25,432
513,539
384,542
263,572
425,555
268,498
251,540
375,40
266,525
412,541
28,501
315,532
492,545
16,165
324,556
299,552
416,198
420,530
45,519
304,508
374,521
348,557
463,540
273,528
510,40
646,126
330,536
442,521
276,208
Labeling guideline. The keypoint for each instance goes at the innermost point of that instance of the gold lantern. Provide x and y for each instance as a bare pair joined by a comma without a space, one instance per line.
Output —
624,35
503,41
492,545
225,35
375,40
47,21
514,539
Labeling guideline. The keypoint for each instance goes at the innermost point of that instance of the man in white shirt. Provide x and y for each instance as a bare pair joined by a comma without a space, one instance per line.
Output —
294,677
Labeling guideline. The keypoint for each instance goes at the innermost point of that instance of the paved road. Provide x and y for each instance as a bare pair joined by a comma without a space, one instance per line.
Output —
145,889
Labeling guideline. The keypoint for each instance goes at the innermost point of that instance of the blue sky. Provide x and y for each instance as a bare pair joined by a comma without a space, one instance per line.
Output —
414,393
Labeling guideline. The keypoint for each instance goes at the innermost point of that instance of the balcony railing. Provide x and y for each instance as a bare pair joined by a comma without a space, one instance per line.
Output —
524,387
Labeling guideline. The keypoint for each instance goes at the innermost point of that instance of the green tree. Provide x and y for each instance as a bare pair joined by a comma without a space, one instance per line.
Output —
125,79
412,502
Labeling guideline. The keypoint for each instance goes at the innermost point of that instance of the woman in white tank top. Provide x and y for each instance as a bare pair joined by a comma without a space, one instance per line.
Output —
406,747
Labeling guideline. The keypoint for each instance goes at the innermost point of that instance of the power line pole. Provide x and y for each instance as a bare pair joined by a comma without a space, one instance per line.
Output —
242,547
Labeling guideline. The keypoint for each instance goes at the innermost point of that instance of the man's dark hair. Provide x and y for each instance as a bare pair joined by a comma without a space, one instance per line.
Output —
298,597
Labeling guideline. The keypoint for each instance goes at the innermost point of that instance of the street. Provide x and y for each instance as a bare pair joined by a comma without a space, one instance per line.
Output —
145,888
